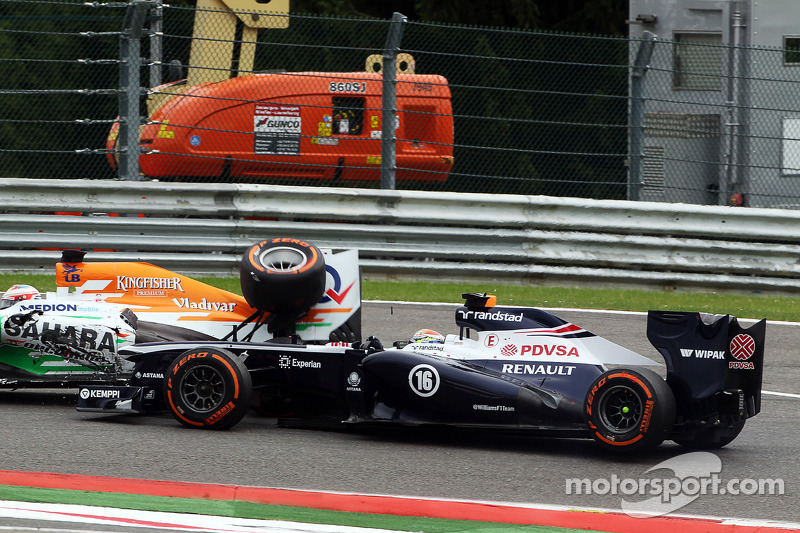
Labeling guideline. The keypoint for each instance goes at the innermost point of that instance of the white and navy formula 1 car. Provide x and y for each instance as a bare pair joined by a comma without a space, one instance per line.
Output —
514,368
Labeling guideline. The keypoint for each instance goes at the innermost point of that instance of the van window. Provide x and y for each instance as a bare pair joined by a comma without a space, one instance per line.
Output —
348,115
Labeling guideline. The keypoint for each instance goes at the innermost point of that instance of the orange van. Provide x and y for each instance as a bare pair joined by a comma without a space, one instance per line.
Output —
304,125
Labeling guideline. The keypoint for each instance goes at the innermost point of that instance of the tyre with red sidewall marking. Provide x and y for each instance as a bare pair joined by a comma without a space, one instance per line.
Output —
283,276
628,409
208,388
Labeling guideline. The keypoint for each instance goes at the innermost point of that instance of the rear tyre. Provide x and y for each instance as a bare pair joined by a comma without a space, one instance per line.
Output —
283,276
208,388
628,409
711,439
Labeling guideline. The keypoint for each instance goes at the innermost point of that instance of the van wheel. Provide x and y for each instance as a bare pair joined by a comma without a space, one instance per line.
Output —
628,409
208,388
283,276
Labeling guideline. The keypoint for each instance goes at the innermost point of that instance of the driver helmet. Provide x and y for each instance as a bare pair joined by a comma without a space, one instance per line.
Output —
17,293
427,336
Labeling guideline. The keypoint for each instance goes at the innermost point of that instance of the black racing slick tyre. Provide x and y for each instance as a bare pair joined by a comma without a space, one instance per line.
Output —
208,388
628,409
283,276
712,438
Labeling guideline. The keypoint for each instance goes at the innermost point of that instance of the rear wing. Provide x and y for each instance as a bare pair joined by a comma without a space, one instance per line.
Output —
708,356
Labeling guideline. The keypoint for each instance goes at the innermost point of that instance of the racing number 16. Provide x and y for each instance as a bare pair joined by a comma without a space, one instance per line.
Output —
424,380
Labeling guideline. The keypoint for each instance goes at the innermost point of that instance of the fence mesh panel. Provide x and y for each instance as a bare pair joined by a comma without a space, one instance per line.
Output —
299,99
533,113
59,67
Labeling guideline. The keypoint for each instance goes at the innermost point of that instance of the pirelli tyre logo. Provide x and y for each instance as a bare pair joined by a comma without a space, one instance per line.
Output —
216,417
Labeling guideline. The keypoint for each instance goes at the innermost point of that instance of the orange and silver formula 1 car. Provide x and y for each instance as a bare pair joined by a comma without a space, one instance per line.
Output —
76,334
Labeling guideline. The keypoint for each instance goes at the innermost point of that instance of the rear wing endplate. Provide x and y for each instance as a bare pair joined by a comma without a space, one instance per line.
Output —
706,354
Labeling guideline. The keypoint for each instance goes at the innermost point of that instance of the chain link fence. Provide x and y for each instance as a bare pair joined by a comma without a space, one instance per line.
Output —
721,124
142,90
59,73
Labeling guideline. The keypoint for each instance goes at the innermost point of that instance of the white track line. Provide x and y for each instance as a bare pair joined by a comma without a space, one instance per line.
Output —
127,518
785,394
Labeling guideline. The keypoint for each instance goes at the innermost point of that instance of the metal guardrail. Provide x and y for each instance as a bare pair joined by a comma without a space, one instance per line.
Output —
204,228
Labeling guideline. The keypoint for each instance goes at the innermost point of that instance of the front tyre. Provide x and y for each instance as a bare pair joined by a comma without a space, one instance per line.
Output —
208,388
283,276
628,409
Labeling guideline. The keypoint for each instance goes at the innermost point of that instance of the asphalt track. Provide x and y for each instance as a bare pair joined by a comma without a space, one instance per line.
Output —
41,431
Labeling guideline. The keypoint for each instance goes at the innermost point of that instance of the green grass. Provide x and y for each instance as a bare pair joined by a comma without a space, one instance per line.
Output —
241,509
741,305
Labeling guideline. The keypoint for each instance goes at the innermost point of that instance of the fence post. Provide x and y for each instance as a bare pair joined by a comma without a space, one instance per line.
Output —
731,179
156,43
638,72
389,119
130,89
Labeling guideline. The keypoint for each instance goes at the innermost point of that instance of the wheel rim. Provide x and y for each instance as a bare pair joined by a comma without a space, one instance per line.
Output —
620,409
203,389
283,259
